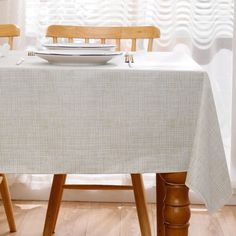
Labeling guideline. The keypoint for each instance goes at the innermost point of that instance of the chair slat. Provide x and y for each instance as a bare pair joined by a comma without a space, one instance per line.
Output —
97,187
70,40
150,44
133,47
118,44
10,42
54,39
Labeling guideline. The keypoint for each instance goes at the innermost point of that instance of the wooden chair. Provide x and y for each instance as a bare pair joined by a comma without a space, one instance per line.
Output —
8,31
103,33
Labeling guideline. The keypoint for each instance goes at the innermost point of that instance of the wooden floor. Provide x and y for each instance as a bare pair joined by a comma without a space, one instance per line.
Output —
110,219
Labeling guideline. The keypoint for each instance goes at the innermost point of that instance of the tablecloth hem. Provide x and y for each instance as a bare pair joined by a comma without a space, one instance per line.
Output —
171,170
211,209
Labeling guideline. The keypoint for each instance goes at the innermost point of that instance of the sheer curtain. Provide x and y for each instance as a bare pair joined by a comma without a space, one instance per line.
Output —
233,141
203,29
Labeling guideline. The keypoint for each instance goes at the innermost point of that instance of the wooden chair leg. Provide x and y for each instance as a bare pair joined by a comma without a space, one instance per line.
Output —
6,199
59,203
54,204
160,195
141,204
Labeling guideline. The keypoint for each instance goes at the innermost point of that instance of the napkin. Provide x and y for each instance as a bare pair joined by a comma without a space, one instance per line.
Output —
4,50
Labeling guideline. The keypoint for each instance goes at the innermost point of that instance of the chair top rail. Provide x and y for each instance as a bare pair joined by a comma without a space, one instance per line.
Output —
129,32
9,30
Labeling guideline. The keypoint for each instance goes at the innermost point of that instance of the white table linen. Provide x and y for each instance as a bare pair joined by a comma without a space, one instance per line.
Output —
156,117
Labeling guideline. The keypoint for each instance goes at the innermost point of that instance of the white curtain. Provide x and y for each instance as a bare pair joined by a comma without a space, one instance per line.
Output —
233,141
201,28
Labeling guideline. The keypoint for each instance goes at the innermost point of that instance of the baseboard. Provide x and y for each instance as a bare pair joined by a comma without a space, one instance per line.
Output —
23,192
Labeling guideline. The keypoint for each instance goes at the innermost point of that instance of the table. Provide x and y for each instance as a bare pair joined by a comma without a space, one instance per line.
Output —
157,117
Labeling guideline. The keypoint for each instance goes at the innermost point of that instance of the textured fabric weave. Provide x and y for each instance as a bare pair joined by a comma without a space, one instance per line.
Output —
156,117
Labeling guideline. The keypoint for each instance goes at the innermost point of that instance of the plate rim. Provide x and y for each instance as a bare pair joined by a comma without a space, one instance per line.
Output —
79,54
92,46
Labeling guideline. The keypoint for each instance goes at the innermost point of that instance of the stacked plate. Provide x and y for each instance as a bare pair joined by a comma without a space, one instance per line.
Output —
78,53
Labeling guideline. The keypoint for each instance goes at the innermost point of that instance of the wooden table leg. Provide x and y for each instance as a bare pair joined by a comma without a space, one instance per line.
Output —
54,204
160,195
176,209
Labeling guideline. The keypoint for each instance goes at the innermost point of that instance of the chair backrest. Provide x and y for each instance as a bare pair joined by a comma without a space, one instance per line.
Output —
9,31
104,33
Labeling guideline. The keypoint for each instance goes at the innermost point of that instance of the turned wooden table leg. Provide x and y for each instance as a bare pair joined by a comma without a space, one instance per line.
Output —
176,209
160,195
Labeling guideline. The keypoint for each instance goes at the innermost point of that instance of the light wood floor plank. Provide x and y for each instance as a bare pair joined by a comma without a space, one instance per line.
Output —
154,215
32,223
105,219
110,219
129,222
73,219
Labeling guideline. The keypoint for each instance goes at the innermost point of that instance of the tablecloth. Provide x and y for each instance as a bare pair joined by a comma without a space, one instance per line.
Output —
155,117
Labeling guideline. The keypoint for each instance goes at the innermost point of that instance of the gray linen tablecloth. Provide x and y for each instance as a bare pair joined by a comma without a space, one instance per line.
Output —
158,116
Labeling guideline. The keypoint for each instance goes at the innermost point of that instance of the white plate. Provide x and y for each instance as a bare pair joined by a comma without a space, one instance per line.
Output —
73,57
85,46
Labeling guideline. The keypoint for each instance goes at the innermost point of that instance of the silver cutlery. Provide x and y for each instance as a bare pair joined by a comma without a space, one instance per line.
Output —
20,61
129,59
31,53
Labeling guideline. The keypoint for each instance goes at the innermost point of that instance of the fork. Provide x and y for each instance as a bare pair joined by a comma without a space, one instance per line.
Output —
129,59
31,53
